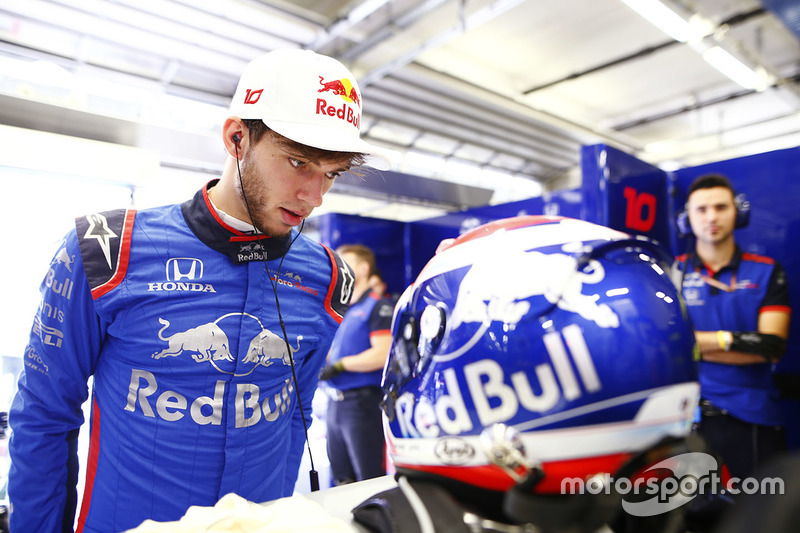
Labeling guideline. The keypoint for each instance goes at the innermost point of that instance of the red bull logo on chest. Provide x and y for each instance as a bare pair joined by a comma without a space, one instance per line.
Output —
209,343
250,405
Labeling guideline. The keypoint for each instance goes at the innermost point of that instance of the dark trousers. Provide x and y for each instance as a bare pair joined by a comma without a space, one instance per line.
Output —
356,447
743,446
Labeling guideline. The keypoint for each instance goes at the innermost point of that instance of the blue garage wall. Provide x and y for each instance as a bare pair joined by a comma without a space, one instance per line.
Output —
422,237
384,237
786,10
624,193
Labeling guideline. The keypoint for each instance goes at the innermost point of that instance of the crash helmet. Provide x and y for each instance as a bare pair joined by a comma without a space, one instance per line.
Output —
534,350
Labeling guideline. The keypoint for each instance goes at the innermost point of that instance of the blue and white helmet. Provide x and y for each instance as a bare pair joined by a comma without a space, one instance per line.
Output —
542,342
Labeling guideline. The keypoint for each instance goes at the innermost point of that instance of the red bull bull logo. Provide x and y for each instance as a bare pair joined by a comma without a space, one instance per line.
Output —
266,348
345,89
208,343
497,288
63,257
203,343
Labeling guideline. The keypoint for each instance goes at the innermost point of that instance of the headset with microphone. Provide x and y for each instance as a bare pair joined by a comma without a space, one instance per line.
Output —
313,475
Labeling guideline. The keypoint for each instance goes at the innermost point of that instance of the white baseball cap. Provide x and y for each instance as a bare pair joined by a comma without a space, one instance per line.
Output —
309,98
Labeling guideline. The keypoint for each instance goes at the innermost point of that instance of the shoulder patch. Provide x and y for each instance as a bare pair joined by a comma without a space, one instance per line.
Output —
105,241
756,258
340,289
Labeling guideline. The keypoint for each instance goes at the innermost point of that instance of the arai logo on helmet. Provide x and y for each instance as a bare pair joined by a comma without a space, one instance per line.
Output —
454,451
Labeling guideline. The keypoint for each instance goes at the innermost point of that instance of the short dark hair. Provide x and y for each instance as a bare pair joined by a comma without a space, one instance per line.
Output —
257,129
364,253
709,181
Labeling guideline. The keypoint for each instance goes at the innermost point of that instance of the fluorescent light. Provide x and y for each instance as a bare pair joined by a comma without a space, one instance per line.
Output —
726,63
693,31
364,10
662,18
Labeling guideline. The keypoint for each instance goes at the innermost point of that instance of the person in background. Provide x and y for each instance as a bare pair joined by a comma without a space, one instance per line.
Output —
739,304
377,283
353,373
205,325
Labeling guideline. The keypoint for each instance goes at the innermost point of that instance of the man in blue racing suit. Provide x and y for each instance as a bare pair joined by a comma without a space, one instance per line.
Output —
204,325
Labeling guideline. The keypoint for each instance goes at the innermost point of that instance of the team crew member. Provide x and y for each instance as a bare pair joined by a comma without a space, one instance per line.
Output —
355,362
178,313
739,304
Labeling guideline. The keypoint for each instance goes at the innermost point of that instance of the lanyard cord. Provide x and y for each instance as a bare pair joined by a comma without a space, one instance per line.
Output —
313,475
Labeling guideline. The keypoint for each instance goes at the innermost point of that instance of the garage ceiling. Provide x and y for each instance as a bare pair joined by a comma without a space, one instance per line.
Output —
492,96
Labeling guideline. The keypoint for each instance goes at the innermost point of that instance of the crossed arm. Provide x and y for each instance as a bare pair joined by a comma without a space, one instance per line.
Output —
765,345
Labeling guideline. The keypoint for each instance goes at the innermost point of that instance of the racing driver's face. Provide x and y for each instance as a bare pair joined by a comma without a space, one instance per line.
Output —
281,186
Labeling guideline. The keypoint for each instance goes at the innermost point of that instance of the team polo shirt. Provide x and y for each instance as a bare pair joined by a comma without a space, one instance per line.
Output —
732,299
370,315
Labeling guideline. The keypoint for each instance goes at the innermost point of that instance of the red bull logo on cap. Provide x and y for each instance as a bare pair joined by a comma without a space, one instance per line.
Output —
342,87
345,89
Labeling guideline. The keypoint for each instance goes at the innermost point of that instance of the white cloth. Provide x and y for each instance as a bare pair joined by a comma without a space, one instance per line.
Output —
234,514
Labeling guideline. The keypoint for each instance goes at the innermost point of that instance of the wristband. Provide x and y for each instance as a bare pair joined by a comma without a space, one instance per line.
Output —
723,341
